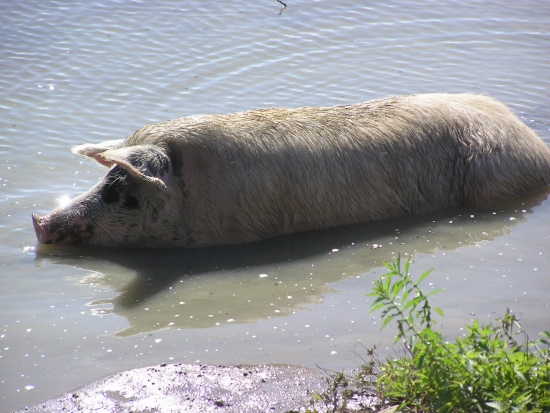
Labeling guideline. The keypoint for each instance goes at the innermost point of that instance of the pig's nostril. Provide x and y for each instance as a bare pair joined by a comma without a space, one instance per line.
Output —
39,229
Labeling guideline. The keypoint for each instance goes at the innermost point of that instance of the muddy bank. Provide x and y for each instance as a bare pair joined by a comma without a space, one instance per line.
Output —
194,388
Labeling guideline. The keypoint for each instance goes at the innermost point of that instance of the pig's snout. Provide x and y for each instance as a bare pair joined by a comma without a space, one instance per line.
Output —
52,229
40,228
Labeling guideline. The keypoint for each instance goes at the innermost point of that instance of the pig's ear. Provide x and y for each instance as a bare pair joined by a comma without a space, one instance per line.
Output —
125,157
91,150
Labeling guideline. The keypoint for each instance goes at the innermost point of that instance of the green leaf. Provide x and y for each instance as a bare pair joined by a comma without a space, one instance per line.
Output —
389,266
412,303
423,276
377,307
397,287
435,292
405,296
387,321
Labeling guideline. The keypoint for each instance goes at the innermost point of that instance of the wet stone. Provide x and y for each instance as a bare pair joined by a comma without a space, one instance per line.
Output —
180,387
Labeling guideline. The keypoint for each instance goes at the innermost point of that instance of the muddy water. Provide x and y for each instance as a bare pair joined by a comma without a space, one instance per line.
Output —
88,71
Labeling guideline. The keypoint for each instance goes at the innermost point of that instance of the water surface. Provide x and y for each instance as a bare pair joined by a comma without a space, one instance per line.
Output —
87,71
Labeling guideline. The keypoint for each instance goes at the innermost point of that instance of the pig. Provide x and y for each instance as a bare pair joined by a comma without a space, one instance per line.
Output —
237,178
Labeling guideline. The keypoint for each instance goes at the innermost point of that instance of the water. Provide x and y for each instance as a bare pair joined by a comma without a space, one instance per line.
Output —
88,71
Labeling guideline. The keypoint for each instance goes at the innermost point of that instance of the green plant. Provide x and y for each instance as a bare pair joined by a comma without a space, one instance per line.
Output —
342,391
488,370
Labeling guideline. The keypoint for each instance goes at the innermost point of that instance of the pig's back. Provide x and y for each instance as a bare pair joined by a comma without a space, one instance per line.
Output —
257,174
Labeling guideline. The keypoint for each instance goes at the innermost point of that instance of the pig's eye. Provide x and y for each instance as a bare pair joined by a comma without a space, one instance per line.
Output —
115,189
110,192
130,202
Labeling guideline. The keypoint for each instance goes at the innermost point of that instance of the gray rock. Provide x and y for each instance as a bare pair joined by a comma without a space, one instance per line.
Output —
193,388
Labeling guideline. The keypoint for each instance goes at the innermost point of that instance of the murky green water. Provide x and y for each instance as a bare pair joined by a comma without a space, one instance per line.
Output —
85,71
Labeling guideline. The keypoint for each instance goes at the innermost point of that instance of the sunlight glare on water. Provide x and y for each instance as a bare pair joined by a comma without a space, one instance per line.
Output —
63,201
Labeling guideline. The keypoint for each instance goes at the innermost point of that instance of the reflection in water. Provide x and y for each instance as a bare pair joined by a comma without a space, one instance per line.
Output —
205,287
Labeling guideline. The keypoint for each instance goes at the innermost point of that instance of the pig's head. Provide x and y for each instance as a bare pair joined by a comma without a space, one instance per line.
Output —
131,206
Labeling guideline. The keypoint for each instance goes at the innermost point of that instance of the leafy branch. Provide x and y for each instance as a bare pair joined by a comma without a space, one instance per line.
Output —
490,369
414,314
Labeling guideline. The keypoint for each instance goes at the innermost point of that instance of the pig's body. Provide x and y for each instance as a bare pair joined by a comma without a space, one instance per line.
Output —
243,177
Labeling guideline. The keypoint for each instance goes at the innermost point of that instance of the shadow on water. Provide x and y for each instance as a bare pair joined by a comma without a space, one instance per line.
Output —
204,287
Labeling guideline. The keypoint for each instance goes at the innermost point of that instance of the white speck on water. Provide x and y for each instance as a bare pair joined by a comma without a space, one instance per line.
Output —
230,320
158,340
263,275
29,387
333,352
512,219
335,250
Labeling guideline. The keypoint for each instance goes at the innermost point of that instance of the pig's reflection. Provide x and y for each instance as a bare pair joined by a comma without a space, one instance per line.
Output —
205,287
